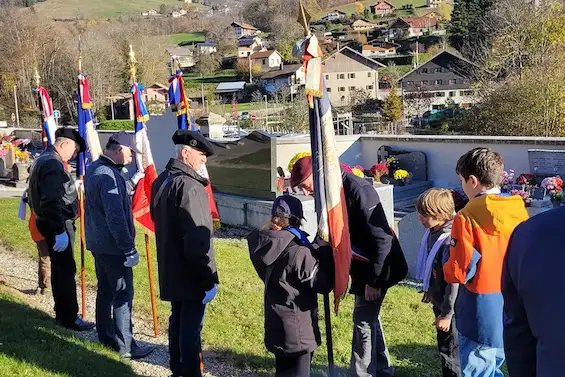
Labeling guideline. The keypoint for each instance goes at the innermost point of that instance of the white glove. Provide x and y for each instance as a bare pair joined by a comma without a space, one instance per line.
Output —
132,260
79,185
137,177
61,242
210,295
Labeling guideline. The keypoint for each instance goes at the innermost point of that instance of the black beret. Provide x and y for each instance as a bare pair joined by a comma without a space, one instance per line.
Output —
193,139
71,133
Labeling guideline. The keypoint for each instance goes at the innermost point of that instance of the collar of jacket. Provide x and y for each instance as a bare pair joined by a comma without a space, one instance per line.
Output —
109,162
176,166
51,150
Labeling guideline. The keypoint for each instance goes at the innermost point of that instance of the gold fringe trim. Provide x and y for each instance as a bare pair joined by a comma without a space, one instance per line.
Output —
216,224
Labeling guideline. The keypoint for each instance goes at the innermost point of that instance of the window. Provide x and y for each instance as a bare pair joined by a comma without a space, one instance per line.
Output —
264,61
466,81
369,87
352,88
327,77
438,82
341,89
440,94
409,83
329,90
424,70
351,75
341,76
467,93
452,94
425,82
369,74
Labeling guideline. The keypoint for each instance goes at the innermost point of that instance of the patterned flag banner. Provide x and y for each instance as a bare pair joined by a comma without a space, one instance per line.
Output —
49,126
86,126
329,195
179,104
145,164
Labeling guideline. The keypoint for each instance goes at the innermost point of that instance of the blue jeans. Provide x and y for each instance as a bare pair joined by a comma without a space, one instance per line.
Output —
479,360
114,303
185,344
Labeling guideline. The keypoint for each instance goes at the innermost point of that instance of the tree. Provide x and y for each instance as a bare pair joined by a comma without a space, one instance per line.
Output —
444,10
359,8
242,69
257,96
468,23
392,107
207,64
417,101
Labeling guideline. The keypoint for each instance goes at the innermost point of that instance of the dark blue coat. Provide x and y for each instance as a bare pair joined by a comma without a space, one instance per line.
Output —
533,286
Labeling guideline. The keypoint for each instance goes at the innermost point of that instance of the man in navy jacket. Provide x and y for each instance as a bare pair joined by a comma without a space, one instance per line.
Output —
533,286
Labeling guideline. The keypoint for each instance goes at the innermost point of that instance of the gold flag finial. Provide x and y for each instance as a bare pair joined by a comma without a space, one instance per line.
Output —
304,18
132,63
37,77
79,55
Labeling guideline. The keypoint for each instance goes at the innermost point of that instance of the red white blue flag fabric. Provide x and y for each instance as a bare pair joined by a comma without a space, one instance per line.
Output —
86,126
329,196
49,126
145,163
179,103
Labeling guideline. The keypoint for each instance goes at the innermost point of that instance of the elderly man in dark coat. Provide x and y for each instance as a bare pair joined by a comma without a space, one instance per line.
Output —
185,254
53,200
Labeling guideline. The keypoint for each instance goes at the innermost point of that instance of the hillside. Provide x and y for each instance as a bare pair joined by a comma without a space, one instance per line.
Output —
350,8
99,8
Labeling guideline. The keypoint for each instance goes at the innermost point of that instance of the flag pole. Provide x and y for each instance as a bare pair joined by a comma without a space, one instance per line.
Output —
81,201
147,244
40,105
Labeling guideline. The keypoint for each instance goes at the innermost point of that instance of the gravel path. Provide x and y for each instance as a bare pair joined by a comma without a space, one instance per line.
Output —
21,273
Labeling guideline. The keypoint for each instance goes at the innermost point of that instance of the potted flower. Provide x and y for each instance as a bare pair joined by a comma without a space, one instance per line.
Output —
554,187
401,176
358,171
378,171
393,164
525,195
346,168
507,178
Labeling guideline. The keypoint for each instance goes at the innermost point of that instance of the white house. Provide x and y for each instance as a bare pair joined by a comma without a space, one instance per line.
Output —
176,14
267,60
436,3
188,1
379,49
206,48
335,15
248,45
290,76
244,30
183,12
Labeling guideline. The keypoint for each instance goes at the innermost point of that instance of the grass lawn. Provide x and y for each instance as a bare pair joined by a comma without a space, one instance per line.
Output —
234,321
193,79
199,36
32,345
94,9
350,8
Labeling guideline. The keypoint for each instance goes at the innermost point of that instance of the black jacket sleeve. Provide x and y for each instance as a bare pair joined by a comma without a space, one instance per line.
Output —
194,222
315,268
519,342
53,178
379,237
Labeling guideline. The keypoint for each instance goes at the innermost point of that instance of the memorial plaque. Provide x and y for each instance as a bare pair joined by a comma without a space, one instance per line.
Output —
547,162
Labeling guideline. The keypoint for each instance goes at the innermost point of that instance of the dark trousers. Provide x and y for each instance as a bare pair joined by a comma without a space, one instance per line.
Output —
185,345
114,300
63,271
447,344
293,366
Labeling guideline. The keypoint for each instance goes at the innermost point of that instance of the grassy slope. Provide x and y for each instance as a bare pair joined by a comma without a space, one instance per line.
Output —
199,36
32,345
350,8
234,320
98,8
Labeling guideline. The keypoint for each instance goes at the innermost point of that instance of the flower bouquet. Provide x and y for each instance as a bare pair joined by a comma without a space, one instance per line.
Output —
507,179
401,176
358,171
378,171
525,195
554,187
392,164
297,157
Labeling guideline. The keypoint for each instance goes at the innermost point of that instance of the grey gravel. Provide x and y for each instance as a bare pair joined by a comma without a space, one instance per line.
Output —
21,273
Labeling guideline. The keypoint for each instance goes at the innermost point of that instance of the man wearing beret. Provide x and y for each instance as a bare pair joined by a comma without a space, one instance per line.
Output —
185,254
110,236
53,200
372,238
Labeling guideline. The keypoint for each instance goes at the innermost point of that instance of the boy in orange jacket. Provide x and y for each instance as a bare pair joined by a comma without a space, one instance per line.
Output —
479,239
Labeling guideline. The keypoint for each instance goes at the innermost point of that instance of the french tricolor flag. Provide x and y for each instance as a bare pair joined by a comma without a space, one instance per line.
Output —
49,125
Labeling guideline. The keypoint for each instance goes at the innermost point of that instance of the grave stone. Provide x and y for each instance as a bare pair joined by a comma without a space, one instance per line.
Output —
19,173
414,162
410,232
544,162
3,171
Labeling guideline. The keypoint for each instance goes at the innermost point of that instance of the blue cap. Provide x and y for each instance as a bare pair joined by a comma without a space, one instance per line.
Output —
288,206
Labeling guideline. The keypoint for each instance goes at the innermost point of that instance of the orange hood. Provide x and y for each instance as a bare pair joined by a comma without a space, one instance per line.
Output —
496,215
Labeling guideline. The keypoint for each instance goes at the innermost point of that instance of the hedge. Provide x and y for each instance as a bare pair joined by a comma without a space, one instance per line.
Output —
116,125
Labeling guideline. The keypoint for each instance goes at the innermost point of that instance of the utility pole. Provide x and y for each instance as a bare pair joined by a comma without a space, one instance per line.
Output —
266,113
16,106
250,70
202,90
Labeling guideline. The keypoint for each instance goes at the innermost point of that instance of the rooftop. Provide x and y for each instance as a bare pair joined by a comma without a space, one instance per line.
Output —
230,87
262,54
287,70
206,44
244,26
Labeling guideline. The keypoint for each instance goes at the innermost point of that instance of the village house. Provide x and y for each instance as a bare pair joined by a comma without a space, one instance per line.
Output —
379,49
445,76
176,14
183,55
228,91
206,48
267,60
335,15
414,26
156,97
290,76
150,12
247,46
437,3
363,25
244,30
348,71
382,8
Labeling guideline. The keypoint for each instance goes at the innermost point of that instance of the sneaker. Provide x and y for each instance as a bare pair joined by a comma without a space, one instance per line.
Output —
80,325
139,353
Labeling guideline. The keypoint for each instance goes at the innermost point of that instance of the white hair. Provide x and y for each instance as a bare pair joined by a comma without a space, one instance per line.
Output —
181,147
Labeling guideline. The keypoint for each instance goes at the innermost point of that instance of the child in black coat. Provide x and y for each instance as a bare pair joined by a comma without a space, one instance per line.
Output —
294,272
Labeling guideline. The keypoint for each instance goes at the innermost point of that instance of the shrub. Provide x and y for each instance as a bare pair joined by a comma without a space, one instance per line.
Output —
116,125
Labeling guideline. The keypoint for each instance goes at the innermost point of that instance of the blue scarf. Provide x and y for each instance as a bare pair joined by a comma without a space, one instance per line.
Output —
300,235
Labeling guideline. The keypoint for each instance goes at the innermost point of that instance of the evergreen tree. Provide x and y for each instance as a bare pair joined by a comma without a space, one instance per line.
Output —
392,108
468,22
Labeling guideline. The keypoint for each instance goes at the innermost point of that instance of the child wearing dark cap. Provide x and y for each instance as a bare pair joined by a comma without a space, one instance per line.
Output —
294,271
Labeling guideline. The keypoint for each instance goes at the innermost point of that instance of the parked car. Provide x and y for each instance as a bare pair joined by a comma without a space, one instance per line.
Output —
244,115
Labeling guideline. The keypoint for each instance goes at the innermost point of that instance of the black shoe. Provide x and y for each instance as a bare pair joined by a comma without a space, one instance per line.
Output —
80,325
138,353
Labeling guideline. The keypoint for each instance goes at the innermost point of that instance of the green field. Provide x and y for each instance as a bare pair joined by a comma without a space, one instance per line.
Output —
94,9
198,36
32,345
350,8
234,321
